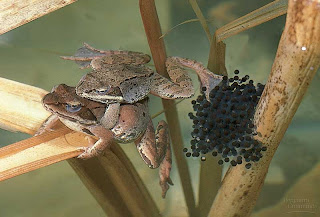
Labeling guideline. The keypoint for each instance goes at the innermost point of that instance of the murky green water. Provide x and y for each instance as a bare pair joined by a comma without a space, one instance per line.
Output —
30,54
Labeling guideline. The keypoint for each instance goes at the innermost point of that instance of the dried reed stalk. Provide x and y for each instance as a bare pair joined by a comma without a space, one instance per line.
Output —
217,57
297,60
153,32
21,110
19,12
256,17
36,156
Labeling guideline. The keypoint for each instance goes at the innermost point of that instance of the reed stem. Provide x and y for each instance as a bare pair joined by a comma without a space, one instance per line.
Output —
254,18
19,12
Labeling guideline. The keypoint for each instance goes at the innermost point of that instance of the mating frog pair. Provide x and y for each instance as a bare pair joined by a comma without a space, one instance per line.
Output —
134,124
111,102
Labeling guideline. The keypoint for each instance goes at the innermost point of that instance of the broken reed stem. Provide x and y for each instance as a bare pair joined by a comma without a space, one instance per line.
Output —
256,17
217,57
153,32
19,12
297,60
21,110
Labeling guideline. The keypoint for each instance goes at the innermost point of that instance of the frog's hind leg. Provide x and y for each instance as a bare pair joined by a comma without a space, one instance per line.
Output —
121,58
155,150
86,54
165,167
208,79
180,85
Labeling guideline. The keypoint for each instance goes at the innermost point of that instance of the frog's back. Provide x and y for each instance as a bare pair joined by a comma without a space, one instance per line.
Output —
122,72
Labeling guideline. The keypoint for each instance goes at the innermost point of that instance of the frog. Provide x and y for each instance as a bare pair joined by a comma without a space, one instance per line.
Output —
134,124
121,76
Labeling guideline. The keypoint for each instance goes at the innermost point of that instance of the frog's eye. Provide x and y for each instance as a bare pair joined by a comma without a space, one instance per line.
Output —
102,91
73,108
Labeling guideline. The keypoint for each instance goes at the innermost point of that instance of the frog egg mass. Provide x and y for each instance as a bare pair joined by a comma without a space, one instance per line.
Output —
224,125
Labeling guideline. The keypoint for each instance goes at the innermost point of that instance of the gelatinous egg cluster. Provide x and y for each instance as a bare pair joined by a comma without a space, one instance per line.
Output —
224,125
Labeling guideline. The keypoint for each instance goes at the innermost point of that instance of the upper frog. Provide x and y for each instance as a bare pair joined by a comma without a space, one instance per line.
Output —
116,83
121,76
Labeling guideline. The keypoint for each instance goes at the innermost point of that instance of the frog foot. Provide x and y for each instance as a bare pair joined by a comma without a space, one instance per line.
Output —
47,125
95,148
164,183
88,152
85,152
165,180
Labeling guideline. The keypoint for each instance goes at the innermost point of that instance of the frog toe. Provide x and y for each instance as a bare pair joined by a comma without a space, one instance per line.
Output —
165,185
87,153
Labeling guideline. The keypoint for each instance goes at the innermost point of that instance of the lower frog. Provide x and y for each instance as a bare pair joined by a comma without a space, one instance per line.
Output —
133,124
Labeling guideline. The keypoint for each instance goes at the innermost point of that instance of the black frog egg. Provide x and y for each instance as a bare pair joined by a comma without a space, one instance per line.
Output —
224,125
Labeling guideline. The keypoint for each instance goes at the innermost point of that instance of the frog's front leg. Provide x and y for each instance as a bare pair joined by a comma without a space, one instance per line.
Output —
111,116
154,149
96,148
48,124
86,54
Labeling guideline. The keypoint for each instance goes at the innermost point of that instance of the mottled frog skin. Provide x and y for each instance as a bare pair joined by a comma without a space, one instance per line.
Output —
133,124
122,76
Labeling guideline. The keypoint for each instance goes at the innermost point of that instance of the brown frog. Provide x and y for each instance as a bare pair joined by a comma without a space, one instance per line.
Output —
133,124
122,76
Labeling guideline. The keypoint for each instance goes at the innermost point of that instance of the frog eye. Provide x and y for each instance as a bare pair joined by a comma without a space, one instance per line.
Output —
102,91
73,108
